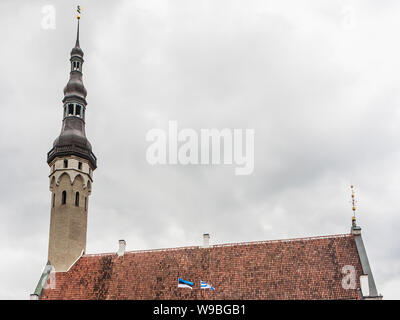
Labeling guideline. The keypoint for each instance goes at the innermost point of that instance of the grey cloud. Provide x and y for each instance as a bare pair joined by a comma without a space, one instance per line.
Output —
320,94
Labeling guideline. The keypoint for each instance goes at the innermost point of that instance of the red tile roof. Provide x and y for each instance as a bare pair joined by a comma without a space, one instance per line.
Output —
308,268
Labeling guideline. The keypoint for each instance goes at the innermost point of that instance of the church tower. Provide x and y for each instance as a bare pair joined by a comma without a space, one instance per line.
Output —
71,163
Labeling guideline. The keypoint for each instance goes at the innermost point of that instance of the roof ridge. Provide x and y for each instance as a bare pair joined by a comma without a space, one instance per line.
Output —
343,235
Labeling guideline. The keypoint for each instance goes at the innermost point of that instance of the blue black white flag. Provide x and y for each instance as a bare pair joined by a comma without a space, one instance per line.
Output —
185,284
205,285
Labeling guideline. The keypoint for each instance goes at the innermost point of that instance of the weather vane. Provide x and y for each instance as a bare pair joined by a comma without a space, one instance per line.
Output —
79,12
353,205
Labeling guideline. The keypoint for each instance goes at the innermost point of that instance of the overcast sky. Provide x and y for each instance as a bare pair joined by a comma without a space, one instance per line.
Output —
318,81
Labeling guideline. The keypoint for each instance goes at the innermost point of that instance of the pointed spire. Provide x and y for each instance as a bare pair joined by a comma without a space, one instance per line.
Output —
77,49
72,139
353,206
77,35
75,88
355,229
78,17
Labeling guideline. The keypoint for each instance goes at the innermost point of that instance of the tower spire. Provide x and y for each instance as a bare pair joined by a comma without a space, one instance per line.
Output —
72,163
73,136
78,17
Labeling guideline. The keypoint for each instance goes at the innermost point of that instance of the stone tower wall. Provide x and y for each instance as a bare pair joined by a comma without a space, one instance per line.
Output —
68,221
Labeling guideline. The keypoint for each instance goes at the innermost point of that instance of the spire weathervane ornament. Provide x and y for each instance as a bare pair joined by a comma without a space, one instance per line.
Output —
77,32
353,206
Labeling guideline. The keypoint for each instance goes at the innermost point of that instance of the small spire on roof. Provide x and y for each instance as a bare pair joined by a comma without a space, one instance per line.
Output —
353,206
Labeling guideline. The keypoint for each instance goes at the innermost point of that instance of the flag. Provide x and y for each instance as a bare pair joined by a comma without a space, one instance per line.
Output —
185,284
205,285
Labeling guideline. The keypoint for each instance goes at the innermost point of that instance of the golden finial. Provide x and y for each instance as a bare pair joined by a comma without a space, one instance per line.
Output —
79,12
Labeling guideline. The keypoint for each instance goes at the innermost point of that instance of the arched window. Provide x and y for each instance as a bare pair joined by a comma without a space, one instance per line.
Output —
77,199
64,197
80,165
65,163
54,199
85,203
